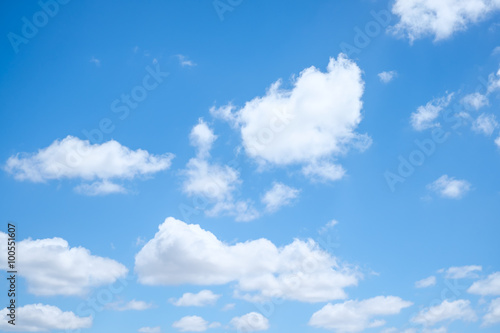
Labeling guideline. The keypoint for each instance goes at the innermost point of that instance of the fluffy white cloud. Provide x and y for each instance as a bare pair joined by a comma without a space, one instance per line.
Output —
493,82
441,19
203,298
485,123
193,324
186,254
312,122
73,158
132,305
463,272
493,315
487,286
278,196
213,182
251,322
446,311
426,115
156,329
387,77
52,267
323,171
356,316
449,187
475,100
427,282
202,137
41,318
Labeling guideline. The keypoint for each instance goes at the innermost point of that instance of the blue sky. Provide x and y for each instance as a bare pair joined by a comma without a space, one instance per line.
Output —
246,166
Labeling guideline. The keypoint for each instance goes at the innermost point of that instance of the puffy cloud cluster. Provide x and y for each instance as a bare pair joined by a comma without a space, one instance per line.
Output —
181,253
72,158
311,124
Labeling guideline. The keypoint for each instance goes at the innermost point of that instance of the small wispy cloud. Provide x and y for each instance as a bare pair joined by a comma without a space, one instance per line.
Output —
184,61
387,77
449,187
95,61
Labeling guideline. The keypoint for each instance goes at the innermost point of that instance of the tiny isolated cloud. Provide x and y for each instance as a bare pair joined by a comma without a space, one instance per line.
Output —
156,329
489,286
426,115
95,61
193,324
497,142
131,305
492,317
310,124
278,196
485,124
184,61
73,158
440,19
449,187
51,267
203,298
329,225
446,311
42,318
475,100
425,283
356,316
386,77
463,272
251,322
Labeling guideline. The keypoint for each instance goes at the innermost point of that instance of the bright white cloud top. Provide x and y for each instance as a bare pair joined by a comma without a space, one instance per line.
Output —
73,158
312,124
279,195
426,115
193,324
487,286
251,322
440,19
463,272
52,267
357,316
183,253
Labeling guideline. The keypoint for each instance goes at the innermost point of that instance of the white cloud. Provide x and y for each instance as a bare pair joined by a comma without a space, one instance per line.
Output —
156,329
41,318
184,61
203,298
186,254
446,311
327,226
356,316
228,307
213,182
449,187
475,100
463,272
202,137
485,123
278,196
487,286
427,282
441,19
497,141
73,158
132,305
493,315
323,171
251,322
314,121
493,82
51,267
425,116
193,324
387,77
100,188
